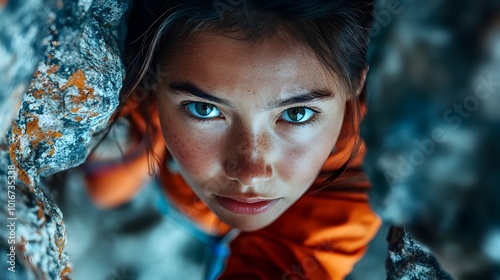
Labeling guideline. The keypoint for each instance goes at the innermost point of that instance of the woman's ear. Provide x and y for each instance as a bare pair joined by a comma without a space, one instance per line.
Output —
362,80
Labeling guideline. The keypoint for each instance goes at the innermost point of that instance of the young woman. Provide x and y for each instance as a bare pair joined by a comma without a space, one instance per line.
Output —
252,122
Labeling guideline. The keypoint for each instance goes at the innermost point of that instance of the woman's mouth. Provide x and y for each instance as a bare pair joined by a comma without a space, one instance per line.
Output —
245,204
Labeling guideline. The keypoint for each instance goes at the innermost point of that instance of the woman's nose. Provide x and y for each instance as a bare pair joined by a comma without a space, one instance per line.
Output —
248,159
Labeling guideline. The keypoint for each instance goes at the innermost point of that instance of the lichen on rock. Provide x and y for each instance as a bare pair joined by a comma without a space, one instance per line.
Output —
73,92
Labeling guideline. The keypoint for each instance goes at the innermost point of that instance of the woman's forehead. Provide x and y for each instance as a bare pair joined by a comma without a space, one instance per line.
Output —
223,63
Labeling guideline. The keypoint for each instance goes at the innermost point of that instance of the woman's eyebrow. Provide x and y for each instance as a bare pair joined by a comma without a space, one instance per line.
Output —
191,89
313,95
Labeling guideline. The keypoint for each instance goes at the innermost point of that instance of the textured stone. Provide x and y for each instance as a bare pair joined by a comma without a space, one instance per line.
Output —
73,93
433,127
407,260
23,24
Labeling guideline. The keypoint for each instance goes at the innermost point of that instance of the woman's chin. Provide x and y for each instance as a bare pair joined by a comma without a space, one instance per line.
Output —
248,223
251,227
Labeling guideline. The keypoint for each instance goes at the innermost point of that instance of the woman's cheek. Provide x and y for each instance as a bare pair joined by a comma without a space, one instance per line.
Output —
297,166
194,154
178,137
301,162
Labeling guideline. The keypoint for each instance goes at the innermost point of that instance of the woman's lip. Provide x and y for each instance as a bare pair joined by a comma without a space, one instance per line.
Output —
246,205
248,199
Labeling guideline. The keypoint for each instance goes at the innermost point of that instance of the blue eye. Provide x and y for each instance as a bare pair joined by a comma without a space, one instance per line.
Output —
203,110
297,115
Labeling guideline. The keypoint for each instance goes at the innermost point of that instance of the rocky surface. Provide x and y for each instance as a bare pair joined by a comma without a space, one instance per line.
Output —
21,31
408,260
77,48
433,128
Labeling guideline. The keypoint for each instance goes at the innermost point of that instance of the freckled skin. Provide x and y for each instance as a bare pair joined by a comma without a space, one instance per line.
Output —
249,149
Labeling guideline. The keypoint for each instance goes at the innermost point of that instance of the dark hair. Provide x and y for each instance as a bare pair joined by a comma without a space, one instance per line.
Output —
336,31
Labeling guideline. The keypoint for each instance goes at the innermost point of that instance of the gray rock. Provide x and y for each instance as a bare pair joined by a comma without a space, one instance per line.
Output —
23,26
433,128
408,260
73,93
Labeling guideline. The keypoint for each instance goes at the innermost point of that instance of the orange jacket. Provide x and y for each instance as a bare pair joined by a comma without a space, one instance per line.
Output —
321,236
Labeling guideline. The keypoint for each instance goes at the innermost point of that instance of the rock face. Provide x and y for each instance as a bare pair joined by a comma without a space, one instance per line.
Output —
433,128
21,31
409,260
77,48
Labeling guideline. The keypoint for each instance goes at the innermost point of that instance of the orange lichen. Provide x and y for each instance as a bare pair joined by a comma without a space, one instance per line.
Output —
39,214
75,110
66,272
78,118
38,93
33,129
82,98
47,85
32,126
36,135
23,175
52,151
60,245
16,145
78,80
53,69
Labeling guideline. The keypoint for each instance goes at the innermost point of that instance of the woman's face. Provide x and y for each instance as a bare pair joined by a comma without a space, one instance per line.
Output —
249,124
